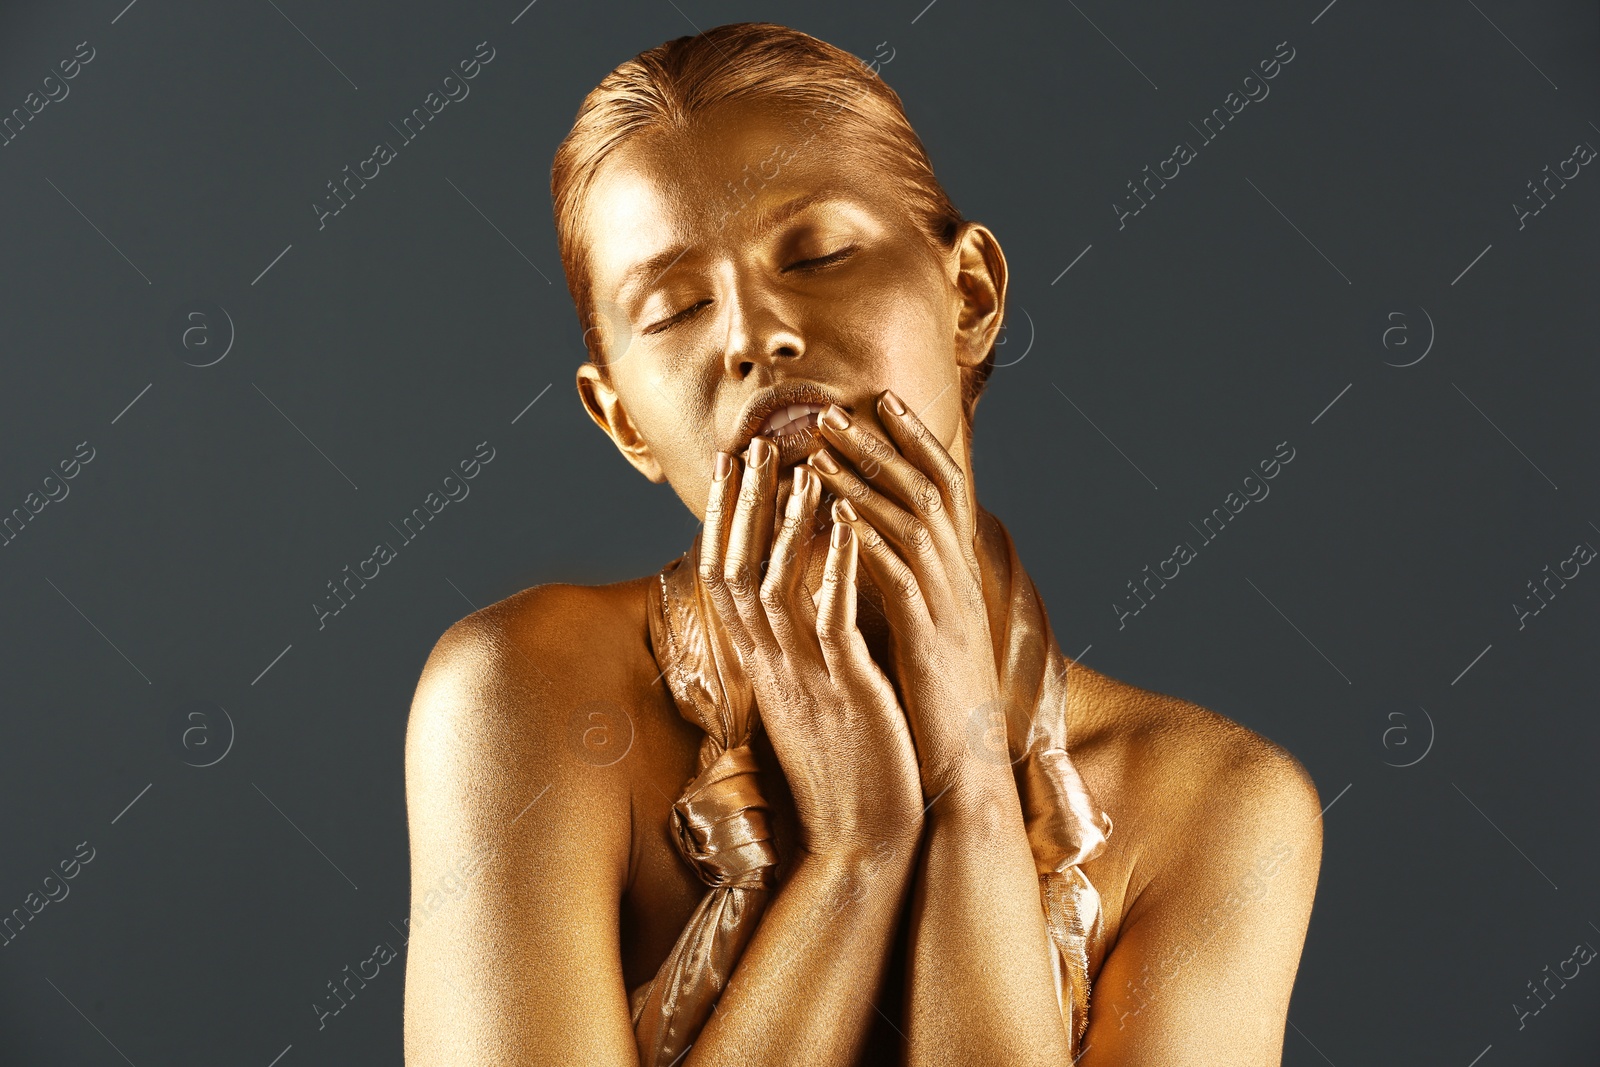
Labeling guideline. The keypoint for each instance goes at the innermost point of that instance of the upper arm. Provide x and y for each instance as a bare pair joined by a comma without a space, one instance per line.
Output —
518,856
1204,966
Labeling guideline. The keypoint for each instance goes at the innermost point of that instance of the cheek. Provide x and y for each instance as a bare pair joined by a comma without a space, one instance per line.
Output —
669,408
678,422
910,342
680,432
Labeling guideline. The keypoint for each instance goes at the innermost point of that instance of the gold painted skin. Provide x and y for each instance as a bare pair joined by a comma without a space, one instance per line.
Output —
563,889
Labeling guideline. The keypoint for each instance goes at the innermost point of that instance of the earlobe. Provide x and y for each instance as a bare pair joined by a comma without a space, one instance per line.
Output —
980,282
600,400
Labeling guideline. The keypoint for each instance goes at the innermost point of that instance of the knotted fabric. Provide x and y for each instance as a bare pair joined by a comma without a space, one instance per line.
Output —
721,822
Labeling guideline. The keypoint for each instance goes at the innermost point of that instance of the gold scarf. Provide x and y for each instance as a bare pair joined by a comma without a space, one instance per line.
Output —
721,823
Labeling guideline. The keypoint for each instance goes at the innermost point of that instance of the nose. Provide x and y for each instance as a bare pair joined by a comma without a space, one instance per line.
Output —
761,332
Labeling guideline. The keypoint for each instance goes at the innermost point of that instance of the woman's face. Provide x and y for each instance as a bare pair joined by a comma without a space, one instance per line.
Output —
745,276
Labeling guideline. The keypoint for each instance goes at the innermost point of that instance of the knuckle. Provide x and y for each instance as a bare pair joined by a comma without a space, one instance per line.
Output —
773,596
709,572
745,647
929,500
736,576
918,536
955,480
905,586
873,446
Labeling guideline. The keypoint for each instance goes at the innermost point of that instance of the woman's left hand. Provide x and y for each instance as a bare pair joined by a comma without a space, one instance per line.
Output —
915,518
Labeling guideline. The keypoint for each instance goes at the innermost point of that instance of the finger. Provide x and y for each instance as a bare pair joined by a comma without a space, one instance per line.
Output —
748,537
913,539
910,621
877,461
720,503
780,506
790,613
918,444
836,609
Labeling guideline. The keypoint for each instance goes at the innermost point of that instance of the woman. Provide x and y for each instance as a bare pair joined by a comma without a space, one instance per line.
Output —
884,849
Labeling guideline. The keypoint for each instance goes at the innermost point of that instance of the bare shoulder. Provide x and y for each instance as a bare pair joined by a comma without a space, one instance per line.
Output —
539,689
520,828
1208,881
525,640
547,648
488,729
1194,796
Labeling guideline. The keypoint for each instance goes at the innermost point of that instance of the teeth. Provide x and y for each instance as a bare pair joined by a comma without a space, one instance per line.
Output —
792,419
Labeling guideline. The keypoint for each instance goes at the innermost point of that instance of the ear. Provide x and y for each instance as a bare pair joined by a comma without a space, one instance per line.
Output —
600,400
980,282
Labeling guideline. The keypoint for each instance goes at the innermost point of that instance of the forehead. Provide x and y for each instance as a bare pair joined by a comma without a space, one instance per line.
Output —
715,181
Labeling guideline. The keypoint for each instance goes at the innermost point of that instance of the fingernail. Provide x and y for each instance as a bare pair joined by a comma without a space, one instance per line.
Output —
841,535
724,466
835,418
802,479
795,506
895,405
760,452
843,510
825,462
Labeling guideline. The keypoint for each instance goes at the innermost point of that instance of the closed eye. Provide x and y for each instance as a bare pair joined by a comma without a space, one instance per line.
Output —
673,320
823,261
803,265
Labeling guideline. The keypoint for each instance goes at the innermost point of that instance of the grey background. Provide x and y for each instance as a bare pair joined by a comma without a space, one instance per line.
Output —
1361,615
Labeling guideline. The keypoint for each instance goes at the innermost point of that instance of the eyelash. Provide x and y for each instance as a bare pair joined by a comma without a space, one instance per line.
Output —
804,264
822,261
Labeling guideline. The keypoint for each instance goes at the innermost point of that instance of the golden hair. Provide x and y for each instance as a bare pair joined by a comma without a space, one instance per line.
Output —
668,87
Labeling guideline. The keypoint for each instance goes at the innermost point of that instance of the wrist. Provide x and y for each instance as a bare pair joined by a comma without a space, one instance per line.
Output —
972,789
853,872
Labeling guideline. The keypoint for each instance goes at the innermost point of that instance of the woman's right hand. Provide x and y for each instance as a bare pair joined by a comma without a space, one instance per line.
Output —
838,730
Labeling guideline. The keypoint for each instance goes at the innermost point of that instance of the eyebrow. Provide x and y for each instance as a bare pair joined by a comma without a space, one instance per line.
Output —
651,269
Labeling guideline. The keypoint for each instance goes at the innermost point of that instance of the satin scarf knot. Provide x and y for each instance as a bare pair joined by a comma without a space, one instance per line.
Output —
721,824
